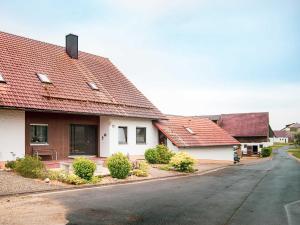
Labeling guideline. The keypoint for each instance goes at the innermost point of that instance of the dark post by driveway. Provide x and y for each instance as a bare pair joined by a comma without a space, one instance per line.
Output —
266,193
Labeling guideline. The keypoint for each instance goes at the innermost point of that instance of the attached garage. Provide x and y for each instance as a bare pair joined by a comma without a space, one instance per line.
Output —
200,137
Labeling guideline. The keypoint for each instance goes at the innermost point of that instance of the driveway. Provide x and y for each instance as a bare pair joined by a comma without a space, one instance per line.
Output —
267,193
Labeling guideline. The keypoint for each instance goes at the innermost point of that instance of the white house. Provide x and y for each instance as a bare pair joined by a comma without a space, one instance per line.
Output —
200,137
57,102
281,136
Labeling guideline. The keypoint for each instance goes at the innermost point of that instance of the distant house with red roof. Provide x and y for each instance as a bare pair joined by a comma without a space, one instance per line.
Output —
58,102
200,137
281,136
252,130
292,129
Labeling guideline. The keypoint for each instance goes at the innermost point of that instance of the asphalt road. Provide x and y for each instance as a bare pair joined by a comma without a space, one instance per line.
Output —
262,194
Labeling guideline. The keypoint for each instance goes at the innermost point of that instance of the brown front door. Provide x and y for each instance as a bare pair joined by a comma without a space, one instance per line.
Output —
83,139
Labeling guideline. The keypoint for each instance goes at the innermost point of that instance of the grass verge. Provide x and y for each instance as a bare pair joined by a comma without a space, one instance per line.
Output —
295,152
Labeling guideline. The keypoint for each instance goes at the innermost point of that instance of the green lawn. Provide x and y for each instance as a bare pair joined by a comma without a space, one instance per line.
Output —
279,145
295,152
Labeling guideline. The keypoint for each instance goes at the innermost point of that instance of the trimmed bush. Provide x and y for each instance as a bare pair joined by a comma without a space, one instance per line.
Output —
84,168
152,156
182,162
266,151
164,153
141,169
160,154
119,165
30,166
11,165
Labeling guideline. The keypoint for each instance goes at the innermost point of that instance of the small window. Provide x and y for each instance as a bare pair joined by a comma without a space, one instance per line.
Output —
141,135
245,146
261,146
190,130
2,80
93,86
122,136
39,133
44,78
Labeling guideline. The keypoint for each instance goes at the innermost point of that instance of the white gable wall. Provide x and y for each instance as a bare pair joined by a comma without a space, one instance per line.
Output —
109,135
12,134
212,153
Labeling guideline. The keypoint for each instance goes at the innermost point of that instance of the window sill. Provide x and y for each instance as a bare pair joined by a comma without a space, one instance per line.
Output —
141,143
39,144
122,143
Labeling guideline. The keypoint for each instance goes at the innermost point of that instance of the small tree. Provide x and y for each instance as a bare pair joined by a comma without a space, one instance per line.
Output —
297,139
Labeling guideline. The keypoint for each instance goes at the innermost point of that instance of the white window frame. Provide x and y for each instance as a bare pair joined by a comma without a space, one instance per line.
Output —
123,143
141,143
39,144
44,78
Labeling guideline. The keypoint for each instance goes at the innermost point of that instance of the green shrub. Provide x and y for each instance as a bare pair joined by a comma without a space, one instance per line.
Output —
84,168
30,166
152,156
266,151
11,164
160,154
72,179
182,162
95,180
141,170
297,139
118,165
164,153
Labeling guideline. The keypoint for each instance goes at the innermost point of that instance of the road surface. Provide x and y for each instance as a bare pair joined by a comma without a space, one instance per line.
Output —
267,193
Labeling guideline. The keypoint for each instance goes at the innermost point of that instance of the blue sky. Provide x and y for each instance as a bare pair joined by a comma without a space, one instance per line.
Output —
188,57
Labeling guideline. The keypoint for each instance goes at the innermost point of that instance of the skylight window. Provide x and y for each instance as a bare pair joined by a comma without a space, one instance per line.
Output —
2,80
43,78
93,85
190,130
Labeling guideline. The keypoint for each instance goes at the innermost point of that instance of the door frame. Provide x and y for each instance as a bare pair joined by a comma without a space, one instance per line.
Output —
96,139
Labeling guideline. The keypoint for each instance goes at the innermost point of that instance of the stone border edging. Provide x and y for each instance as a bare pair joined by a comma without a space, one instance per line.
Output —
121,182
292,156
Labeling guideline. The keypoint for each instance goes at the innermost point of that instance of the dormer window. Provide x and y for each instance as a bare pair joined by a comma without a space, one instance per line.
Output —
44,78
93,86
2,80
190,130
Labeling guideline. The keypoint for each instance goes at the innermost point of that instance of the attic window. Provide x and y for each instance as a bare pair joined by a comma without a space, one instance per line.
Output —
43,78
190,130
2,80
93,86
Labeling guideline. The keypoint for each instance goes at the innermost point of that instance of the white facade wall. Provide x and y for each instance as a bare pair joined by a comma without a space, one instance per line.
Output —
12,134
260,145
279,140
109,135
212,153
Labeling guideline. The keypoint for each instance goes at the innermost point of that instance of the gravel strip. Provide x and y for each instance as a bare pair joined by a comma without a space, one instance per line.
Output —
11,183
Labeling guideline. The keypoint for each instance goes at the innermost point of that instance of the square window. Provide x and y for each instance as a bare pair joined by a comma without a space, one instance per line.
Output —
141,135
93,86
122,135
2,80
39,134
261,146
43,78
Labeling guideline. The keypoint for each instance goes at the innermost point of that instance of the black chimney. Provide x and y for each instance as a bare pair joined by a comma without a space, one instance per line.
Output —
72,45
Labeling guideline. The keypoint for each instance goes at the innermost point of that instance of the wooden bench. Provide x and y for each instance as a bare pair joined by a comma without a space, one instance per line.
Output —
44,152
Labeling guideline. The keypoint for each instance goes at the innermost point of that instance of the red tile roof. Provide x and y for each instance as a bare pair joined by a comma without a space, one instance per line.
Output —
246,124
281,133
205,132
21,58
